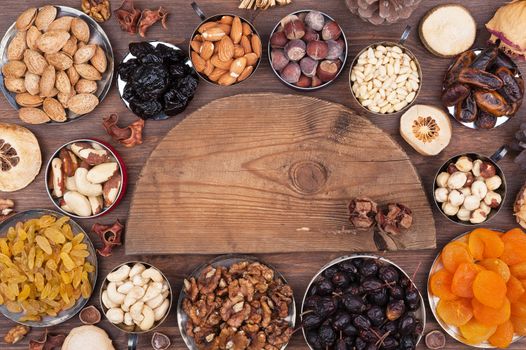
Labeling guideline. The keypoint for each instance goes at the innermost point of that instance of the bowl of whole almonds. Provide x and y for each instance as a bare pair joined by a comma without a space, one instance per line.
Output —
86,178
386,77
57,64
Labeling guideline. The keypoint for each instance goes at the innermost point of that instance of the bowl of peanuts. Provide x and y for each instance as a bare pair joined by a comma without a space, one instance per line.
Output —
225,49
386,77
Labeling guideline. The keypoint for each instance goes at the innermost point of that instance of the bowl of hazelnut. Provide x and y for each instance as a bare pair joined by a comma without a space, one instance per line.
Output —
225,49
307,50
469,189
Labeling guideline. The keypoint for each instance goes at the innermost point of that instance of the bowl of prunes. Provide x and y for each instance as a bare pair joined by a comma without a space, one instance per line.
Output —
156,80
362,302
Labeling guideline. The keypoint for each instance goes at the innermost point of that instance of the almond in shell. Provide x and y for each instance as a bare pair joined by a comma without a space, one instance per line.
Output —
73,75
64,98
59,60
46,15
17,46
62,82
32,36
99,60
85,86
225,49
15,85
33,115
82,103
14,69
47,81
71,46
26,19
80,29
54,110
32,83
52,41
87,71
84,54
62,23
237,30
35,62
28,100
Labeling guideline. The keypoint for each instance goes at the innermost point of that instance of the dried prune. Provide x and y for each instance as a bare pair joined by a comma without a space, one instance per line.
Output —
325,287
341,320
353,303
361,322
141,49
327,335
369,268
340,280
177,71
169,54
311,321
150,58
388,274
126,69
146,109
376,315
150,81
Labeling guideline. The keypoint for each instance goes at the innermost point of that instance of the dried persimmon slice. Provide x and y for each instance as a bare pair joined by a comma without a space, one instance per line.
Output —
503,336
455,312
489,316
462,283
489,288
440,285
454,254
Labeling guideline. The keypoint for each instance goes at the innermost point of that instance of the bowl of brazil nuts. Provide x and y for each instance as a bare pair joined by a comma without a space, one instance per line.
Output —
386,77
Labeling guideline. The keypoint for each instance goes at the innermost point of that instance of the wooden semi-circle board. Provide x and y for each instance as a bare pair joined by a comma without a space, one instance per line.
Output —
264,173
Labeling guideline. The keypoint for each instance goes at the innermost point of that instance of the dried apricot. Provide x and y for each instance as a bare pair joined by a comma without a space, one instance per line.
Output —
514,247
518,308
455,312
493,244
454,254
440,285
489,288
489,316
462,284
519,325
498,266
515,289
476,247
519,270
475,332
503,335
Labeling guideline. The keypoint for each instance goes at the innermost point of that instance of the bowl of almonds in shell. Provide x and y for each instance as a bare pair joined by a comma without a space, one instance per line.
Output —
57,64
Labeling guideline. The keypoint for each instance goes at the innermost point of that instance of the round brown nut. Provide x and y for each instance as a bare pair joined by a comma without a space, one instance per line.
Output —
295,49
291,73
435,340
317,49
294,29
279,59
278,40
327,70
308,66
331,31
487,170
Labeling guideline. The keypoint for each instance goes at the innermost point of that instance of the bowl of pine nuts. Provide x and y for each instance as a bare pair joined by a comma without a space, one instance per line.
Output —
386,77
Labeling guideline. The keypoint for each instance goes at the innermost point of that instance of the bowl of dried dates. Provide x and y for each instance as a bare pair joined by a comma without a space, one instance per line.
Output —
307,50
86,178
362,302
253,306
225,49
57,65
156,80
483,88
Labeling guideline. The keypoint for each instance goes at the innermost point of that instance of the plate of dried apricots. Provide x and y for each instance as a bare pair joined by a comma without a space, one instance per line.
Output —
477,287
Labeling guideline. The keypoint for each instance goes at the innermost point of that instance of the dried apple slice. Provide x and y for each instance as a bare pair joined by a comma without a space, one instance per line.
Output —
448,30
426,128
20,157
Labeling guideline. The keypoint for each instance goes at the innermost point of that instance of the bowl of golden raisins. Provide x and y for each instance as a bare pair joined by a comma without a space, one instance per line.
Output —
48,268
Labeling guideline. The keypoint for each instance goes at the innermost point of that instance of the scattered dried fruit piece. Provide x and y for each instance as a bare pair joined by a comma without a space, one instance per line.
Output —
435,340
150,17
110,235
47,342
395,219
90,315
362,213
129,136
160,341
128,16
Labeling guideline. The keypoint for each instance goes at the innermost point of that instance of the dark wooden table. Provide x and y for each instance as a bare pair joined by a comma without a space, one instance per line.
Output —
297,268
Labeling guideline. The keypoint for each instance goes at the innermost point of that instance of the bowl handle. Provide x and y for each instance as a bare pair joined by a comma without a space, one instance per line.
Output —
499,154
198,10
132,341
405,35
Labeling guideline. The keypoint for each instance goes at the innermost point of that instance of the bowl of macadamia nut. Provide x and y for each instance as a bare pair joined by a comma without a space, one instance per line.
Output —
86,178
469,189
307,50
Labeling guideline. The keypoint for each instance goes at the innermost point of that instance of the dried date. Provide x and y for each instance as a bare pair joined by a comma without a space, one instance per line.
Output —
480,79
492,102
454,94
466,111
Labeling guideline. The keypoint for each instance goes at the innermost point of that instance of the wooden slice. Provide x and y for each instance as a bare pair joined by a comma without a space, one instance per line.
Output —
266,173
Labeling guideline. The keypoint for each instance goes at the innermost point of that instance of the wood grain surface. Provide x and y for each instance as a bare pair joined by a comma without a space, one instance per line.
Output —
298,268
274,176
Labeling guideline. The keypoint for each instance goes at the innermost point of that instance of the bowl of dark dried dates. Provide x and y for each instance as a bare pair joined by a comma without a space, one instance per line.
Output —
362,302
307,50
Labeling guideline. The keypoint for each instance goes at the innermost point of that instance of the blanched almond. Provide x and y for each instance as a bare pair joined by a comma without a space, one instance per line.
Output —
46,15
87,71
62,23
54,110
17,46
26,19
83,103
32,36
237,30
62,82
27,100
47,81
80,29
32,83
15,84
14,69
33,115
59,60
52,41
99,60
35,62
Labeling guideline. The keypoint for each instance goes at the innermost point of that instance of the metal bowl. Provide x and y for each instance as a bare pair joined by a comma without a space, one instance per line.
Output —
225,260
122,169
65,315
502,190
401,45
121,83
500,120
342,58
97,36
419,314
433,302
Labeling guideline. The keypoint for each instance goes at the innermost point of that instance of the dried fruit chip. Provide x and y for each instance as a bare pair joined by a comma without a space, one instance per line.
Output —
490,289
440,285
455,312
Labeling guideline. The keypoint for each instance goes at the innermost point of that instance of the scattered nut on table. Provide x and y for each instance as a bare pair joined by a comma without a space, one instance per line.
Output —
15,334
385,79
99,10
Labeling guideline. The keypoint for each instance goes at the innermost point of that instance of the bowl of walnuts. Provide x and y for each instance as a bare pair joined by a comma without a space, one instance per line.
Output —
57,64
